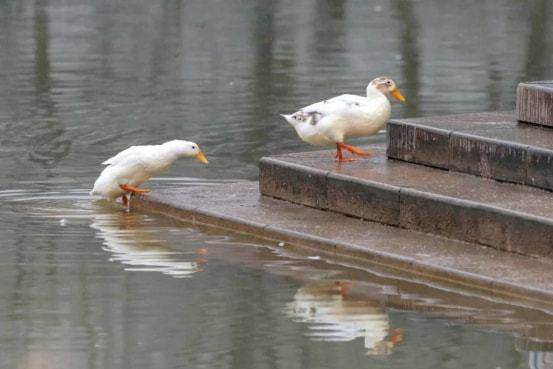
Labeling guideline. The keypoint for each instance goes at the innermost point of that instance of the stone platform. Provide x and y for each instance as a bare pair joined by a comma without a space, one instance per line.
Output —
535,102
464,200
436,260
492,145
505,216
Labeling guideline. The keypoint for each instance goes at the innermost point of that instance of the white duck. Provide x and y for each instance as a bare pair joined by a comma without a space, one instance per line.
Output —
131,167
333,315
140,247
331,121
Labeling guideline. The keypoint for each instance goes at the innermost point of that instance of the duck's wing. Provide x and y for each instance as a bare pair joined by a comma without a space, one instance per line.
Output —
134,168
349,100
132,164
131,151
339,105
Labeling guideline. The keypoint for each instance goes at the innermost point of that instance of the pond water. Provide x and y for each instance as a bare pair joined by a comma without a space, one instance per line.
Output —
87,285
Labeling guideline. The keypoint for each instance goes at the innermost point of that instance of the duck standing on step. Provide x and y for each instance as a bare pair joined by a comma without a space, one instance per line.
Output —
131,167
332,121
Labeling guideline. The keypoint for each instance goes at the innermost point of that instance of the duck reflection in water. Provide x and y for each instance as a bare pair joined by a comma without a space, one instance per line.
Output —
335,316
133,243
540,360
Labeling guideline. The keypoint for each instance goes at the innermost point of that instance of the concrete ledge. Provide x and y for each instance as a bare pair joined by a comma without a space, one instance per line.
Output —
368,200
296,183
452,264
540,168
428,146
490,145
488,158
504,216
535,102
478,223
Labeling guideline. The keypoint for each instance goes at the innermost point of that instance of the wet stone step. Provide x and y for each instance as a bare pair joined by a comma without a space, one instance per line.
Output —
492,145
502,215
450,264
535,102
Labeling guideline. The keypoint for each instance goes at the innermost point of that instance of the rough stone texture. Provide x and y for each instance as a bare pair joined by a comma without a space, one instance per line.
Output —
453,264
296,183
522,234
540,168
432,147
471,222
424,145
400,141
488,158
506,216
439,215
467,155
535,102
491,145
364,199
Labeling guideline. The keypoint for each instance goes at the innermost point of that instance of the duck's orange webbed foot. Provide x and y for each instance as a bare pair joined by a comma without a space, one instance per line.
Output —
133,190
396,335
354,149
346,160
340,156
343,287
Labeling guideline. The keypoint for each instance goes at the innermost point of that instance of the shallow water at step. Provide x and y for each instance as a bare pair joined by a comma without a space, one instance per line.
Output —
87,285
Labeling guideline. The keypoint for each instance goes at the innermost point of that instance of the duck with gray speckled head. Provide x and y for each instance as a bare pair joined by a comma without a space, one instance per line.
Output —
331,121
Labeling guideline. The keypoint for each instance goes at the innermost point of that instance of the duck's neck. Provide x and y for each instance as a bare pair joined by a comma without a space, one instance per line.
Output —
169,155
174,151
373,92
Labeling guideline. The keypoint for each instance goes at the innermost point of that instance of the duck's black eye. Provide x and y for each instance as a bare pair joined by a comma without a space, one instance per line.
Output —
193,147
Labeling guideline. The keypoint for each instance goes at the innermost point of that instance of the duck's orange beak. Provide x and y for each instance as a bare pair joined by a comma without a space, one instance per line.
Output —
201,157
395,93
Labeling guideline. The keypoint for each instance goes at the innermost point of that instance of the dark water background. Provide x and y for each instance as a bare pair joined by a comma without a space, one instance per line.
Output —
85,285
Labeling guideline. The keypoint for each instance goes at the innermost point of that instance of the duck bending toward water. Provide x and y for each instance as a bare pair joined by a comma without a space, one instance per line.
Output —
331,121
127,170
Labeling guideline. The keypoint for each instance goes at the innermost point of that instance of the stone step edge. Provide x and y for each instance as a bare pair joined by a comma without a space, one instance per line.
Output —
404,207
344,251
534,103
472,154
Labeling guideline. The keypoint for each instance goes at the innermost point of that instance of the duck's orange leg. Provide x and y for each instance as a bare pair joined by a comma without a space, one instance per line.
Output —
340,155
343,286
354,149
133,190
125,200
396,335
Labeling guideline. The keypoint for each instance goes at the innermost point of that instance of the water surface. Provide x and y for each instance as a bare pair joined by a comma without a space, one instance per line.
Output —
86,285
